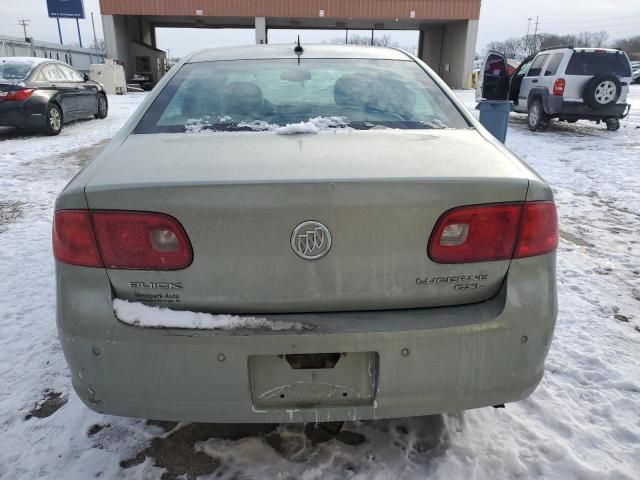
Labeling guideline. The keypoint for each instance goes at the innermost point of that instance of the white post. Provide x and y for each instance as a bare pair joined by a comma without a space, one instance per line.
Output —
261,30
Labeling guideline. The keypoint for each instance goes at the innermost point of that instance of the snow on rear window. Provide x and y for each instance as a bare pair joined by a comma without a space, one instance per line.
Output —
285,96
14,70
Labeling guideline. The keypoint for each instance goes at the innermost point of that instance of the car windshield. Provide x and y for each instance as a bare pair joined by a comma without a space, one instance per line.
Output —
319,93
14,70
597,62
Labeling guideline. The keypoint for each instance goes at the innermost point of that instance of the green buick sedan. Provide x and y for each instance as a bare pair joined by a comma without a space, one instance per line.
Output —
304,234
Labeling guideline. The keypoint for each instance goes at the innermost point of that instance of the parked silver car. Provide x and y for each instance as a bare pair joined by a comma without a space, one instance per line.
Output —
381,253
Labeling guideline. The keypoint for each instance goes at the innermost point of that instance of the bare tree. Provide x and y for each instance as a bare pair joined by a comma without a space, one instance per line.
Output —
356,39
519,48
631,45
599,39
510,48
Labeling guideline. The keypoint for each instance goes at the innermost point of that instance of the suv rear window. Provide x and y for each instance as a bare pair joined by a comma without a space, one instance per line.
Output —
261,94
597,62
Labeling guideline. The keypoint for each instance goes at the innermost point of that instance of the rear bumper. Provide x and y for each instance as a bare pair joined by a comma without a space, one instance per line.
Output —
429,360
22,114
555,106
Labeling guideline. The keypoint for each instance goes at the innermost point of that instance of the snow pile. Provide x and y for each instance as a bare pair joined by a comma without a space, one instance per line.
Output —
197,125
293,128
313,125
140,315
258,126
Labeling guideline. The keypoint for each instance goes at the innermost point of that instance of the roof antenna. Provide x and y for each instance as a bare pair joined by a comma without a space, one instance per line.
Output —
298,49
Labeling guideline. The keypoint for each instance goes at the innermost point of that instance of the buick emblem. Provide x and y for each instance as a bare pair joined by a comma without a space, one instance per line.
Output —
311,240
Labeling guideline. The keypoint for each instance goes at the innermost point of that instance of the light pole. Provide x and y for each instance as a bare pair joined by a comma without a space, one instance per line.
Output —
24,22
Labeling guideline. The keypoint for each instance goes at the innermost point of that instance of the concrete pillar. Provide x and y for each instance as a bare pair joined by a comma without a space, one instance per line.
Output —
261,30
116,39
431,46
458,51
147,32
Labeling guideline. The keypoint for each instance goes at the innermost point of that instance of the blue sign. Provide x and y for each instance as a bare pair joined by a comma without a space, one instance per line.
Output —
65,8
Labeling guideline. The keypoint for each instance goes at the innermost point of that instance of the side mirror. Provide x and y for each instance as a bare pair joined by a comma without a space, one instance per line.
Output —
85,77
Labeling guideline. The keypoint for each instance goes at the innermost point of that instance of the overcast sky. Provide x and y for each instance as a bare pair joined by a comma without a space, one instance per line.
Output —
499,19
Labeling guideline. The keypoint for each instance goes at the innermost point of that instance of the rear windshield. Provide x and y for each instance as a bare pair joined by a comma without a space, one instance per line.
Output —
14,70
330,93
598,62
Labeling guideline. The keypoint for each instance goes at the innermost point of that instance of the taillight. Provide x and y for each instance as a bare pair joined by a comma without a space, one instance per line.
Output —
558,87
500,231
21,94
73,239
134,240
538,230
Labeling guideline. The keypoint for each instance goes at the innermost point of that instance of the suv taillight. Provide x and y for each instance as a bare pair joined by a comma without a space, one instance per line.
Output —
499,231
558,87
21,94
120,239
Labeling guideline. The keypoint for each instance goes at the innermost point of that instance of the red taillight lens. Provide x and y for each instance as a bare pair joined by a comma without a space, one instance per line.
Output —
135,240
480,233
140,240
558,87
538,231
73,239
21,94
491,232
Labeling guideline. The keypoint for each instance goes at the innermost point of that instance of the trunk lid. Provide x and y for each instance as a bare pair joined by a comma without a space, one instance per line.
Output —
240,196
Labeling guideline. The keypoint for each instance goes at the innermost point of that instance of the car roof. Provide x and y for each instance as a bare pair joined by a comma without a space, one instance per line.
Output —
31,60
256,52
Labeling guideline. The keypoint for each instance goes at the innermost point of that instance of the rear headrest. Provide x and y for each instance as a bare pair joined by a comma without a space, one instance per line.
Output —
374,92
350,90
242,98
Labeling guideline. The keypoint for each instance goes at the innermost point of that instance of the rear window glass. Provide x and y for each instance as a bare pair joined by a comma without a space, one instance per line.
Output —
536,66
266,94
598,62
13,70
554,63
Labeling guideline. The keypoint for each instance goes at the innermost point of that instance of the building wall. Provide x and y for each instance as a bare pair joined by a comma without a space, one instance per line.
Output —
424,9
80,58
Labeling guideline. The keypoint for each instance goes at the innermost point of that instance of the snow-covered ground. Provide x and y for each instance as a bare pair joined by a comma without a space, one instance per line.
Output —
583,422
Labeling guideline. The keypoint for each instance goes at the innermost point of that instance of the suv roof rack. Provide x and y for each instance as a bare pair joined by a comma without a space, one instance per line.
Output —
556,47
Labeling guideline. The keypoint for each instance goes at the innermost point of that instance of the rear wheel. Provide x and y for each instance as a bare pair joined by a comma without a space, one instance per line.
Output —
613,124
537,119
103,106
53,120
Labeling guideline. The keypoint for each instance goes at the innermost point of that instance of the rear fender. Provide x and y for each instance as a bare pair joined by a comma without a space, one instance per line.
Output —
542,94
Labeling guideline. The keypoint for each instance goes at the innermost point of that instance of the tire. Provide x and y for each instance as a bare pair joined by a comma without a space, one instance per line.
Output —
53,119
537,119
103,106
613,124
602,91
